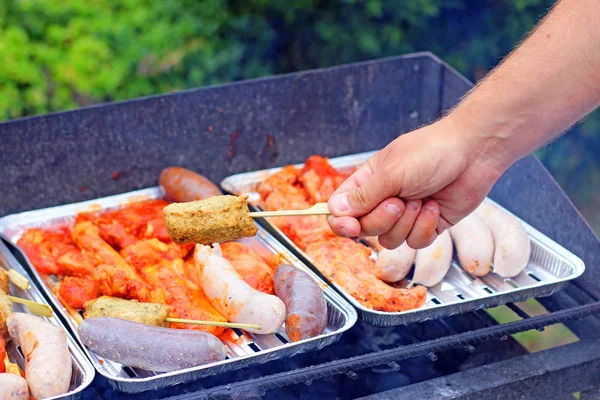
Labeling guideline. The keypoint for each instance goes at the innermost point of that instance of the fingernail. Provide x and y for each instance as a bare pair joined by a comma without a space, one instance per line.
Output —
430,209
393,209
340,203
412,205
344,232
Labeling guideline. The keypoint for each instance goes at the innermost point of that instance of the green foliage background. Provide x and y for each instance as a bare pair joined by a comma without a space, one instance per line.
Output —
57,54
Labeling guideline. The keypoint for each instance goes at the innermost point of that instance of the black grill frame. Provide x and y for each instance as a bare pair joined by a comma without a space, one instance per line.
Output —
71,156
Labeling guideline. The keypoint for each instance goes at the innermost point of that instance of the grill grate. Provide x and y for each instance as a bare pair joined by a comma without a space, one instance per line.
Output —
389,357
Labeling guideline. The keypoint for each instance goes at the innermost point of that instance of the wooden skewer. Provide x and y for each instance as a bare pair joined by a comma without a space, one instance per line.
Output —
36,308
11,368
317,209
212,323
18,280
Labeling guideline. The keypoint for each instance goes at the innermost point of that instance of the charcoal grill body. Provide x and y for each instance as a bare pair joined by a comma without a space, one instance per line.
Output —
107,149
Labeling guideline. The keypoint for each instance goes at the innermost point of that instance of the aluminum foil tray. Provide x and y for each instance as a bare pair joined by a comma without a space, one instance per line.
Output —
246,350
550,267
83,372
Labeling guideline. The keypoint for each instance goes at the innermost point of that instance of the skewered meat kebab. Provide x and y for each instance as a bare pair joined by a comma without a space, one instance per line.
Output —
153,314
220,219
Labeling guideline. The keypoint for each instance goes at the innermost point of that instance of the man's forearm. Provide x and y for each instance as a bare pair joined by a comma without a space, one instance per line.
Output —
550,82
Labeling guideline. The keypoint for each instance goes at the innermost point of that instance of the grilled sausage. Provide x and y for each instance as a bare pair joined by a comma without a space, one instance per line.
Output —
306,308
512,246
433,262
13,387
149,347
181,185
393,265
234,298
215,220
49,364
474,245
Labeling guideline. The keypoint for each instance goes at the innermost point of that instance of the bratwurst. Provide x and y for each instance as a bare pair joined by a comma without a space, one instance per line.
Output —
232,296
49,364
150,347
13,387
306,307
181,185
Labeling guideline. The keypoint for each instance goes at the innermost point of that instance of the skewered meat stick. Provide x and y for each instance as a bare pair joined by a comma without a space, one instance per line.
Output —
220,219
12,276
6,309
152,314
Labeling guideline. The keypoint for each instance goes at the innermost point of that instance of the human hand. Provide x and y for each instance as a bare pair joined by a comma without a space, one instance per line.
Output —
416,187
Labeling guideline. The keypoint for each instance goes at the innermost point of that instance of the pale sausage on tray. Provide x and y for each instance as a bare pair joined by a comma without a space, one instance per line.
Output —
13,387
234,298
150,347
306,307
474,245
433,262
393,265
49,364
512,246
182,185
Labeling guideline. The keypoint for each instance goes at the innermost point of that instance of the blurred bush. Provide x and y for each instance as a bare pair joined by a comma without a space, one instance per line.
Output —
63,54
58,55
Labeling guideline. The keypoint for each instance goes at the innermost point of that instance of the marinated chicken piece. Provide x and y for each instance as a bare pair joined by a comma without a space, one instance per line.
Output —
76,291
304,230
6,308
115,234
87,236
77,263
217,219
115,276
126,283
284,180
159,265
4,280
320,179
253,270
131,310
45,247
123,227
348,264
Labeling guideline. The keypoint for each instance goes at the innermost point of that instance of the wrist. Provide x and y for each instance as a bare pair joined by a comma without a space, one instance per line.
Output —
494,136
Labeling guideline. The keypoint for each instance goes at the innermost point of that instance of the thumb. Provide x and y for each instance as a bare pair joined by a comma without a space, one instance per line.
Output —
363,191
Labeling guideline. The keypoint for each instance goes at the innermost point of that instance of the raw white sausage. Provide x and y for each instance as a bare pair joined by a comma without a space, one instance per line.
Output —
234,298
393,265
13,387
433,262
474,245
49,364
512,246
